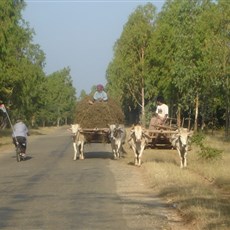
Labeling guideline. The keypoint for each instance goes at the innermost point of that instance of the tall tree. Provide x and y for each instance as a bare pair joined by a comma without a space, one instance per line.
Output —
11,35
128,70
222,43
21,62
183,63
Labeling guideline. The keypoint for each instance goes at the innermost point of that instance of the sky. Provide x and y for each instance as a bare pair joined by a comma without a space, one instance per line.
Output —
80,35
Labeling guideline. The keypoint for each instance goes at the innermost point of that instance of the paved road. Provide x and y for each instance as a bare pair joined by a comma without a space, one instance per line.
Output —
51,191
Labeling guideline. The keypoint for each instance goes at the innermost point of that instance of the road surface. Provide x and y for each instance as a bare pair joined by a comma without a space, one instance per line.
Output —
51,191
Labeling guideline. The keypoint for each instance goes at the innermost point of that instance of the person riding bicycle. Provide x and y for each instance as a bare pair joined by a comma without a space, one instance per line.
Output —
19,135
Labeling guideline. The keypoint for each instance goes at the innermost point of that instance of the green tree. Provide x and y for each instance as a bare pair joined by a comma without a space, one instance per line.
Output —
128,70
21,62
82,94
59,99
222,45
180,57
11,34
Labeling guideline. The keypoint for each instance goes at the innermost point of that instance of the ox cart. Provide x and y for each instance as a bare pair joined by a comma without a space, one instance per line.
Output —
96,135
161,136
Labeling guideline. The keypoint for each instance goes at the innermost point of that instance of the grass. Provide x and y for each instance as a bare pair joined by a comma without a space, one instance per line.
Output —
5,137
200,192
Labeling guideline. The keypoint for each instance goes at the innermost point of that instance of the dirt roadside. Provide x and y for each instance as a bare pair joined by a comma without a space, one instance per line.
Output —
140,200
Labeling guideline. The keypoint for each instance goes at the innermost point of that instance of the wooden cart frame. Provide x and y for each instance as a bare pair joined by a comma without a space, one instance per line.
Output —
161,136
96,135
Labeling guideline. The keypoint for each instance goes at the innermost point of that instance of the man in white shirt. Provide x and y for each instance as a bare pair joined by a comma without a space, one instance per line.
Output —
99,95
161,114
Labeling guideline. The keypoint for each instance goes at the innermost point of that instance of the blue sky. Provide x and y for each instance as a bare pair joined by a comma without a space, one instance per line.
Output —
79,35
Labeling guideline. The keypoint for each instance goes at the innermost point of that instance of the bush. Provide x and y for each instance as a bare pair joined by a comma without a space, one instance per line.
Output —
198,139
209,153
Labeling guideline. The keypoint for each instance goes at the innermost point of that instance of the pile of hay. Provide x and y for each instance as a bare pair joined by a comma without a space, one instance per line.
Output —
99,114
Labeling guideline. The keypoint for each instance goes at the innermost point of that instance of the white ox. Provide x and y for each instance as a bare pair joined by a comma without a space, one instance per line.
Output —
180,141
137,141
78,141
117,134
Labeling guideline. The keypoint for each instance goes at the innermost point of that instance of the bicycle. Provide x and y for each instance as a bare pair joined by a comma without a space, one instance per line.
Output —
20,150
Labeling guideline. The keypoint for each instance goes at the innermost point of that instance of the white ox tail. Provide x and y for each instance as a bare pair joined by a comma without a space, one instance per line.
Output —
180,142
78,141
137,141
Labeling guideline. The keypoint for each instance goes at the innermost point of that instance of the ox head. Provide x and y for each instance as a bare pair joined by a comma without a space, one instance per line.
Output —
115,130
137,132
75,128
183,136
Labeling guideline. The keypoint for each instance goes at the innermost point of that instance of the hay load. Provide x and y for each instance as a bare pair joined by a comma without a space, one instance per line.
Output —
99,114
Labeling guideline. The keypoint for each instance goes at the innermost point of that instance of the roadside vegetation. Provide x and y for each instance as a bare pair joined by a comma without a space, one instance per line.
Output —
201,192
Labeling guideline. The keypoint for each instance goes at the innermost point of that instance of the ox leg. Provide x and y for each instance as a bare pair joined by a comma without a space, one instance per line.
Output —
75,151
139,160
140,156
122,150
113,146
135,156
182,158
119,150
136,159
182,162
185,159
81,147
116,152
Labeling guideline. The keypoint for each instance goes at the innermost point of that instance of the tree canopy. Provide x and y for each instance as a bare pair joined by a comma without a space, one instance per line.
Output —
24,88
181,53
186,59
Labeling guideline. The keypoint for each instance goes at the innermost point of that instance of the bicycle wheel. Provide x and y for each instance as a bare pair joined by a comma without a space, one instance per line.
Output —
18,151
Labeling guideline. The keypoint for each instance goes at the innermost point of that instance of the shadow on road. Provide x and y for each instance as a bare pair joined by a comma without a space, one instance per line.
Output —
26,159
103,155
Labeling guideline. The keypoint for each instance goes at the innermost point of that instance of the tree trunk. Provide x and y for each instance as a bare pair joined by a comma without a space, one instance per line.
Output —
227,122
143,120
196,112
33,121
66,120
227,114
178,117
58,122
143,106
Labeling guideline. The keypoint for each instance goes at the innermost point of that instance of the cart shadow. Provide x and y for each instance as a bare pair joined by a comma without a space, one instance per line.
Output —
99,154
